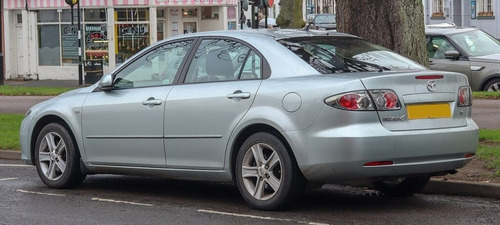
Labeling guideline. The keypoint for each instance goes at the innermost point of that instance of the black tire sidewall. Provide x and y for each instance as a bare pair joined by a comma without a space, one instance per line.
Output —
289,181
72,175
495,80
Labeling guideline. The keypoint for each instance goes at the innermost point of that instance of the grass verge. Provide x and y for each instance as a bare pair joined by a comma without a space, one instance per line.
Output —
9,130
489,149
486,95
32,91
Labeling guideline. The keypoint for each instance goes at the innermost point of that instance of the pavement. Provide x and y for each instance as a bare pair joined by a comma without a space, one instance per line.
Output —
465,188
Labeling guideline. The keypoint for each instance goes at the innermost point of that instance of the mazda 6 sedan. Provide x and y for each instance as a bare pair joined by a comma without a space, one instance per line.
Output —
270,110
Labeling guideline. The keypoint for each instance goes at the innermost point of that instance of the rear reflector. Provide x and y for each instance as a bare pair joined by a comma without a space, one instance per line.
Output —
429,77
379,163
469,155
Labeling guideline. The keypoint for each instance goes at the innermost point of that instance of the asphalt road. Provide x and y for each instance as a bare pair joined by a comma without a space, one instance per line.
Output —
486,113
112,199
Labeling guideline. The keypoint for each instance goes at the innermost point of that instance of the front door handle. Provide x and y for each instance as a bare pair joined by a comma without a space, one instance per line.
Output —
239,95
152,101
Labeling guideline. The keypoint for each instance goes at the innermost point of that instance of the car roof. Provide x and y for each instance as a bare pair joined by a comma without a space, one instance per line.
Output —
276,34
448,31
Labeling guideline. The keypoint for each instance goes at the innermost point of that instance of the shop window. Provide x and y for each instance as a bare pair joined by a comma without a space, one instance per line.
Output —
485,8
96,42
69,43
131,38
48,16
437,8
95,15
48,45
66,15
129,15
160,13
189,27
190,12
210,12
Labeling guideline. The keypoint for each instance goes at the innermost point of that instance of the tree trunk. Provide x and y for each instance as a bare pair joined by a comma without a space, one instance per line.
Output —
290,14
394,24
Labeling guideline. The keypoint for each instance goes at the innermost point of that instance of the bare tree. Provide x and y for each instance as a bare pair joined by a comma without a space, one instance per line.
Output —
394,24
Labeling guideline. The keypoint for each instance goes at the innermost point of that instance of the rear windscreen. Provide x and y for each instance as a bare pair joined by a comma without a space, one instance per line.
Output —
329,54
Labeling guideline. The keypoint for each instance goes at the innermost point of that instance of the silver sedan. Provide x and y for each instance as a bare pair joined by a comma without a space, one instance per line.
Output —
270,110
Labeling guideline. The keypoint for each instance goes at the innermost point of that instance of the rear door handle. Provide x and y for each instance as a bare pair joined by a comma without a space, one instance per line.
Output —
152,101
239,95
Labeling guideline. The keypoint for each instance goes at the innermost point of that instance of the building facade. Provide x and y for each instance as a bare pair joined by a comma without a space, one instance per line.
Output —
41,36
482,14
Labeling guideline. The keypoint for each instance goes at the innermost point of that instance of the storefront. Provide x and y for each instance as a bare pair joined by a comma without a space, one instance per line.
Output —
41,37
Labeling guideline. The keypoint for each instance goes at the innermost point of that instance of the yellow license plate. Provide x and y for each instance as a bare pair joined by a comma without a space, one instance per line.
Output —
428,111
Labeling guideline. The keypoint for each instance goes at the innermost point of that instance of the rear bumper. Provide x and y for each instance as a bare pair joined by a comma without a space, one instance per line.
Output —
339,154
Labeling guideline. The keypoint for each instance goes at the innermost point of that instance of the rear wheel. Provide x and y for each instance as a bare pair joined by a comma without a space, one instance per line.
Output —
57,158
493,85
402,186
267,175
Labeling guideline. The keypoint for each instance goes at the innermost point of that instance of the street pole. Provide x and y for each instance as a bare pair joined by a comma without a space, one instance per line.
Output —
80,72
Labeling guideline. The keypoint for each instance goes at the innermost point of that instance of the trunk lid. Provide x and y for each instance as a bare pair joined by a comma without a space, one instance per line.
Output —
426,102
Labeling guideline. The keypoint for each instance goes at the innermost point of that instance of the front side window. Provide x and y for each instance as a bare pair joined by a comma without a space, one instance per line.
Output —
223,60
346,54
438,46
157,67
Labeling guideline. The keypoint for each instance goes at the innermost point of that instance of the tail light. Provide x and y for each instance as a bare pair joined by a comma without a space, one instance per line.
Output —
464,96
365,100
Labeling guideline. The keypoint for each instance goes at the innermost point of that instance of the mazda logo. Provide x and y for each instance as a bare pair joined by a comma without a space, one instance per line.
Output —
431,86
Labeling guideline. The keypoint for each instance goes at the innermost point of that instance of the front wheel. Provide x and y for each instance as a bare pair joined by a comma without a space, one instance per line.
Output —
493,85
57,158
266,174
402,186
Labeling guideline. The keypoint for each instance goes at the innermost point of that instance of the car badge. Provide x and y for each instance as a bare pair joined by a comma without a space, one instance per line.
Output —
431,86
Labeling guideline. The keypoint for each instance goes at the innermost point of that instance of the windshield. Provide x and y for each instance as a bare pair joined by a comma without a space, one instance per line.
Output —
347,54
325,18
476,43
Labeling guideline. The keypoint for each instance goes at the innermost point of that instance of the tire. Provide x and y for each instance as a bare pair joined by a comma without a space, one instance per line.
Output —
403,186
266,174
493,85
57,158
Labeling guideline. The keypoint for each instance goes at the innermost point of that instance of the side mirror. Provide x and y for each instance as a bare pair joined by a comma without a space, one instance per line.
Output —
106,82
452,54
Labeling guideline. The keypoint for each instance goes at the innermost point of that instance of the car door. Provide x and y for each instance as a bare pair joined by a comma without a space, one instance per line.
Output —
437,46
219,87
124,126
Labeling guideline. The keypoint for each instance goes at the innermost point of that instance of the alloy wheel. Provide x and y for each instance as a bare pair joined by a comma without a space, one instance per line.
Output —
52,156
261,171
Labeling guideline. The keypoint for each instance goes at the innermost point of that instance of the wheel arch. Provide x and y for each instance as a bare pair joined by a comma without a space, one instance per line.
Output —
488,79
247,132
44,121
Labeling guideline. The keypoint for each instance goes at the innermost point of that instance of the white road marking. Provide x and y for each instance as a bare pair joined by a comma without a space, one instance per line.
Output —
15,165
118,201
40,193
10,178
259,217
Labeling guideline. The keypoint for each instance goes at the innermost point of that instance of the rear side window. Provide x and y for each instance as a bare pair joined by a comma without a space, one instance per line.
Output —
329,54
